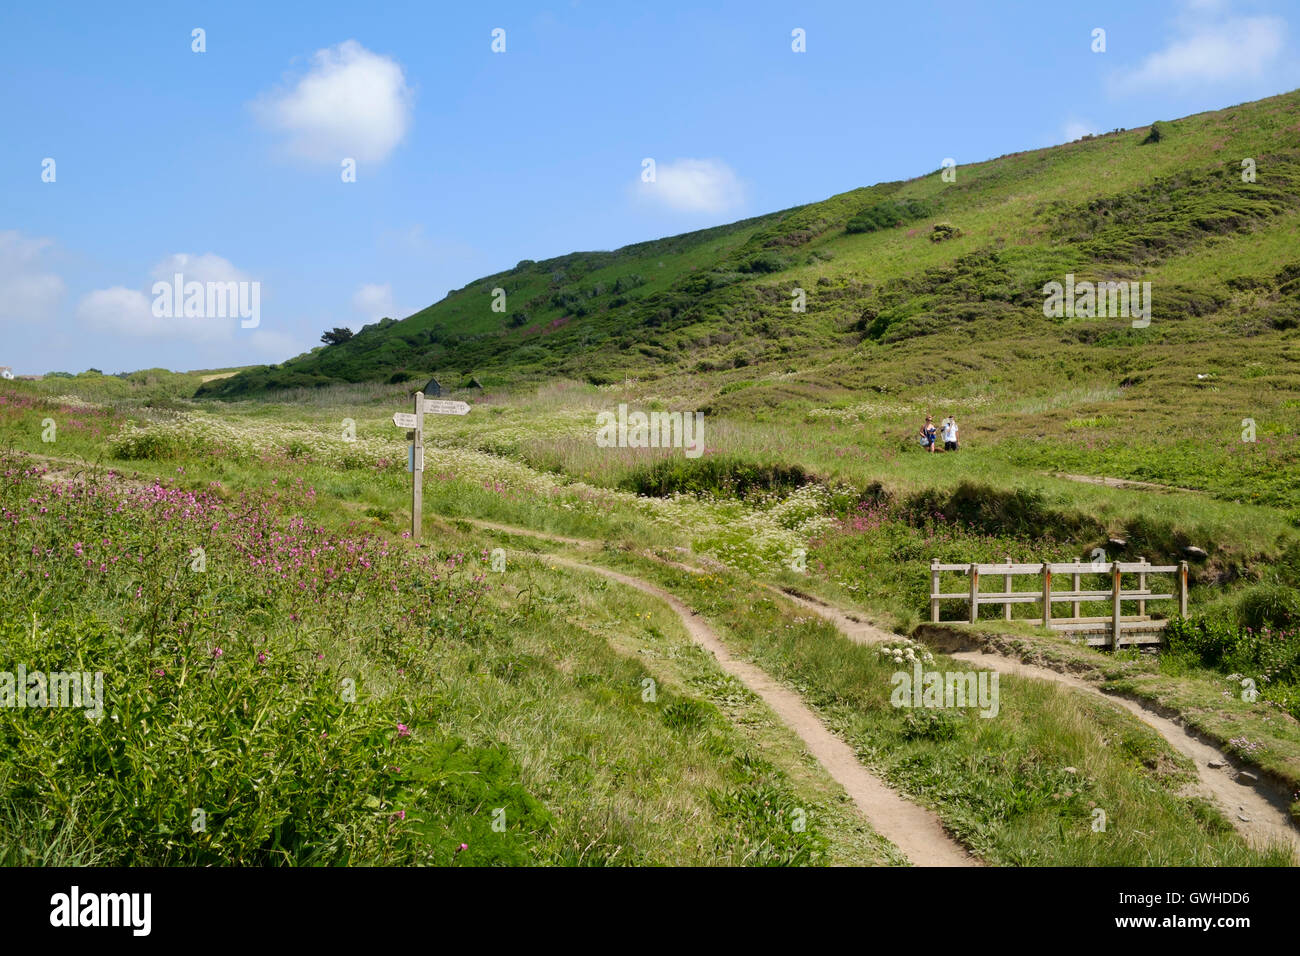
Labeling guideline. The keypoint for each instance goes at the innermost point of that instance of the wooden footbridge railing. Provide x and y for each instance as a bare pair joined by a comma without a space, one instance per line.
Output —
1113,630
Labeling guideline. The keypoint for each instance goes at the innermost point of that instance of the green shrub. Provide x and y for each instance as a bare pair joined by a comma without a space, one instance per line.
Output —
1209,641
1269,606
926,724
149,444
688,714
887,214
1270,657
767,827
720,475
1019,512
216,696
765,262
279,769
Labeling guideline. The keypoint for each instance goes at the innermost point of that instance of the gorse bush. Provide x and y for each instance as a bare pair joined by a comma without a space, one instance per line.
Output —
887,214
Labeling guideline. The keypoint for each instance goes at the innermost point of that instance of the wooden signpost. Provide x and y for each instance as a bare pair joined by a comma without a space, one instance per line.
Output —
415,422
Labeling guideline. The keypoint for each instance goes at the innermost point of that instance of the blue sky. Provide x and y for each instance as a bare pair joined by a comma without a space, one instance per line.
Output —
227,164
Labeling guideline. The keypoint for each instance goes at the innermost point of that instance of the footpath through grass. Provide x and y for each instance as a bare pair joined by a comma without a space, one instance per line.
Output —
280,687
874,559
1021,787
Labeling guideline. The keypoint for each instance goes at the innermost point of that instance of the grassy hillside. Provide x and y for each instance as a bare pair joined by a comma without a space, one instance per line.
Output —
882,298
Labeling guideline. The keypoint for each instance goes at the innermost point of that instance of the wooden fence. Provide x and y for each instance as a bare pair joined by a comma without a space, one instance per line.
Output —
1114,629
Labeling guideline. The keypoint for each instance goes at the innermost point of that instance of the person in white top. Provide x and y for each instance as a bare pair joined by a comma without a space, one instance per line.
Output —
950,434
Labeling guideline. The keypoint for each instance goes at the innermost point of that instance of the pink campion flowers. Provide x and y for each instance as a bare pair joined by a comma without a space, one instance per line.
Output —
217,652
288,555
403,730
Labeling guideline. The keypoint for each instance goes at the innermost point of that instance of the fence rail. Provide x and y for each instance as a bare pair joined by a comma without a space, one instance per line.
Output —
1075,595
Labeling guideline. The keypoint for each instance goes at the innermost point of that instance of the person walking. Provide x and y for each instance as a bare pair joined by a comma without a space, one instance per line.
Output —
950,434
928,434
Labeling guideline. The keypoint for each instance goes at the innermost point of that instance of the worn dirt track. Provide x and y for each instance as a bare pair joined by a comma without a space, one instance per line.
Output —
1257,813
913,829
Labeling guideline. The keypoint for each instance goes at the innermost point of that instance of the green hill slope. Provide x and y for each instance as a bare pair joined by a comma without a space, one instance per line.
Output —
890,299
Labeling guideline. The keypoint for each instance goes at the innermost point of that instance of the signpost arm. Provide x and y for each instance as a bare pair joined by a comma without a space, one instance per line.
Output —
417,469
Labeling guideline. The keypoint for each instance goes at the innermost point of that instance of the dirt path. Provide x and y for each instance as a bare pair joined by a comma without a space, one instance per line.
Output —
521,532
849,624
1259,815
1127,483
914,830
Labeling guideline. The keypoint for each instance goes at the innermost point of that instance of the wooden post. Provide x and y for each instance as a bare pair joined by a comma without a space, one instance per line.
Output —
974,593
1006,607
934,590
1115,609
1182,589
1142,586
1075,584
1047,594
417,469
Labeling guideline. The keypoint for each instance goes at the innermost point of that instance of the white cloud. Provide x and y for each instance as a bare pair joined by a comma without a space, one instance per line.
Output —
118,309
1209,51
130,311
693,185
352,103
374,301
28,293
1077,129
204,268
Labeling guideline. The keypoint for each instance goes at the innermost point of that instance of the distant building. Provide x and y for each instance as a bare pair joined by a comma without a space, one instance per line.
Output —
432,387
475,383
